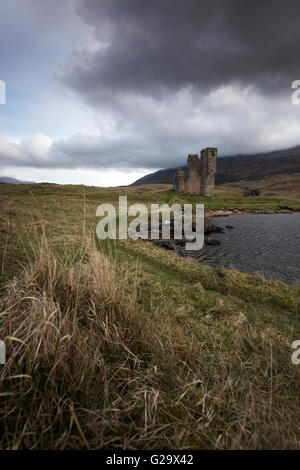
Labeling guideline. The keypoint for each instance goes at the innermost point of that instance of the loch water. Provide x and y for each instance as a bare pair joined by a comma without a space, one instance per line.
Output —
265,243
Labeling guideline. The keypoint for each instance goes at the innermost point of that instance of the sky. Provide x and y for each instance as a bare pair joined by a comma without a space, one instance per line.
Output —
102,92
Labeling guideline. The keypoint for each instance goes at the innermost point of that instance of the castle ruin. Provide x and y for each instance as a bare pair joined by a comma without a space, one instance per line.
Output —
200,176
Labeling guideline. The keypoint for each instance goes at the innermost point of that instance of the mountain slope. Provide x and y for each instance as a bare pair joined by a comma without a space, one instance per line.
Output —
240,167
7,179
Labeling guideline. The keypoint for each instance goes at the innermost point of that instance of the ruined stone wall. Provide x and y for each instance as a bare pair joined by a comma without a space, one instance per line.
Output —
193,181
208,170
200,178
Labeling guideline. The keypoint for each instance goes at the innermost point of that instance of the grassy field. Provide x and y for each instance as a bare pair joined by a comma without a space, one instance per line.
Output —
284,186
123,345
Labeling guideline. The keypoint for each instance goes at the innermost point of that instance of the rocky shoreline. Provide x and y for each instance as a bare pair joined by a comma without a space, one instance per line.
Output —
226,213
178,245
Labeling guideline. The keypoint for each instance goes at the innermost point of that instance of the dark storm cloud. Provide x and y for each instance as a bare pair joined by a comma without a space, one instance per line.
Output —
163,78
162,45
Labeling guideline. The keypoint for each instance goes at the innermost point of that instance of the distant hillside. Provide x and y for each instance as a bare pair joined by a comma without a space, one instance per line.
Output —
240,167
7,179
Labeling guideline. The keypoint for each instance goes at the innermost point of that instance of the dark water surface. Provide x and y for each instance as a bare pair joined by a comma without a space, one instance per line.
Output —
265,243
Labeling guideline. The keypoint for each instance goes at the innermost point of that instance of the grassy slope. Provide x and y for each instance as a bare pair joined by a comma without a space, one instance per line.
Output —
283,186
209,361
63,208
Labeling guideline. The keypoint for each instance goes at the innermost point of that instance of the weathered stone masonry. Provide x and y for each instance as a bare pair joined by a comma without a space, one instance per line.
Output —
200,177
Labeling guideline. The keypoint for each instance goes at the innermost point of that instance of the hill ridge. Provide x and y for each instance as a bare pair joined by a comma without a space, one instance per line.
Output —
239,167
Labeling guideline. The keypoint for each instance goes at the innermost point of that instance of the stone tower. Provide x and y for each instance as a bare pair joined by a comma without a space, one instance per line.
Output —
200,178
208,171
193,182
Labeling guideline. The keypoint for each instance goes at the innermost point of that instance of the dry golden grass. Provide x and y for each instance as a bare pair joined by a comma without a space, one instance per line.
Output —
89,366
128,346
79,350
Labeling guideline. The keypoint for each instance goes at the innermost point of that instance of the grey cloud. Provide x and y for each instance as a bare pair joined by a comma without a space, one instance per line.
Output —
160,46
34,35
168,78
233,119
